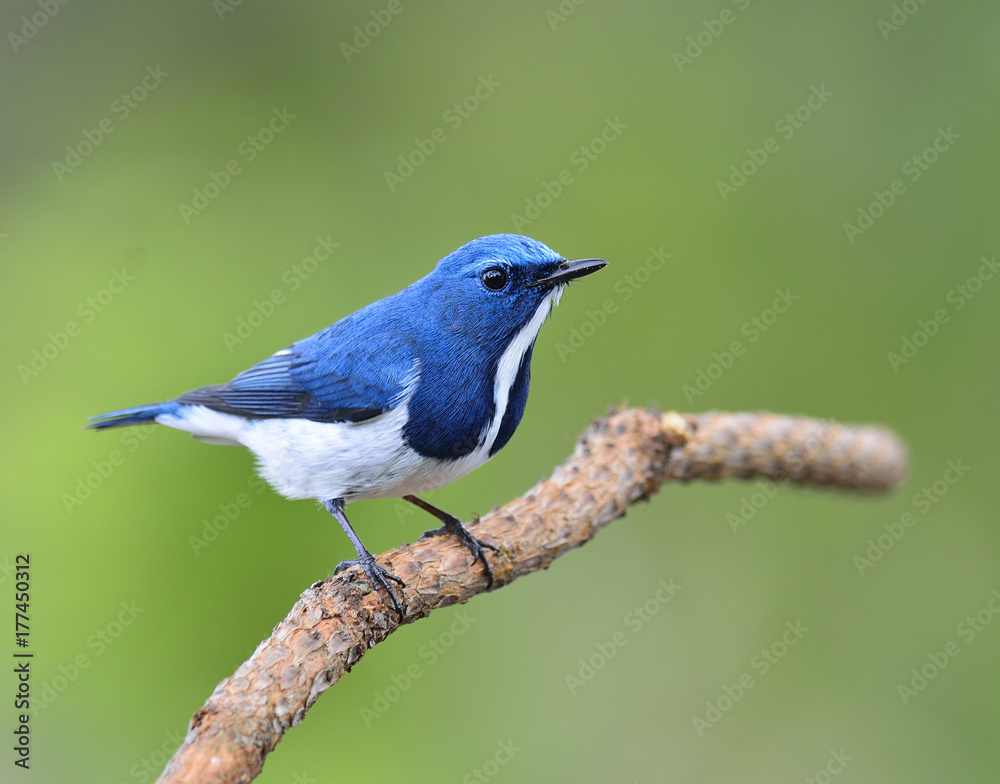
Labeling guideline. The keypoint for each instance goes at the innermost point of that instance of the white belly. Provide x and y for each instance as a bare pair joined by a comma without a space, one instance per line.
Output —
322,460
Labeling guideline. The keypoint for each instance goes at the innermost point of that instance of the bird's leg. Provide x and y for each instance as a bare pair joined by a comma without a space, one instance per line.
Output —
452,525
378,576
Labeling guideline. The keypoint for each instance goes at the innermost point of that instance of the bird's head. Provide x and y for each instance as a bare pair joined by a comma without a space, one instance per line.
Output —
493,286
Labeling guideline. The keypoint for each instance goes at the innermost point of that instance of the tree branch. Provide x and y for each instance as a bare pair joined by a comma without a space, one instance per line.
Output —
618,460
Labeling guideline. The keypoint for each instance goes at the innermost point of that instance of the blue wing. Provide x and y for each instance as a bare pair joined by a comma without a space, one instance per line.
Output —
346,373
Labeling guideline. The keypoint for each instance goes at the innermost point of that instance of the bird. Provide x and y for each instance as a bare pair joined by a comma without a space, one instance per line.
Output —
399,398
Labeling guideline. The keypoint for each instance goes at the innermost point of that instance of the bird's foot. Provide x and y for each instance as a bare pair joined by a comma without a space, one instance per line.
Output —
477,547
380,578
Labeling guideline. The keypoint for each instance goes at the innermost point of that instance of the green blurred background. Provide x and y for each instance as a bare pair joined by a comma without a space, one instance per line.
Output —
133,623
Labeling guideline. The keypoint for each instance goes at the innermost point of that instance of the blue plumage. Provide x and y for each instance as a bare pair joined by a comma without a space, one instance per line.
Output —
140,415
400,397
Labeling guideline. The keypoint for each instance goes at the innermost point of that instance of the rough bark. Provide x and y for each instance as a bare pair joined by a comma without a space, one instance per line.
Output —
619,460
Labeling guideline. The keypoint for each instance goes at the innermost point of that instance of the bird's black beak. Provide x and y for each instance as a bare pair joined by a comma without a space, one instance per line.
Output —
570,270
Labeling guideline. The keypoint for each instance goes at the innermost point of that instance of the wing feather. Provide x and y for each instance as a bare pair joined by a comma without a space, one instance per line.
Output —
339,375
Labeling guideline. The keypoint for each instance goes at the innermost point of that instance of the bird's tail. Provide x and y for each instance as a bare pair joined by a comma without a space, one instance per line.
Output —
132,416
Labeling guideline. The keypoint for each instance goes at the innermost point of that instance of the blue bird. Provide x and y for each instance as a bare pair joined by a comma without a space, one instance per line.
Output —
401,397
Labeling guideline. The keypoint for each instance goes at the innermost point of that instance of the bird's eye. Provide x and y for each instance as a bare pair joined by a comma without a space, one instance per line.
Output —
495,278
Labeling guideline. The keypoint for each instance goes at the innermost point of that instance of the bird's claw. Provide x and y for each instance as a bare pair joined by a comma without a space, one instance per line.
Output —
475,546
379,578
